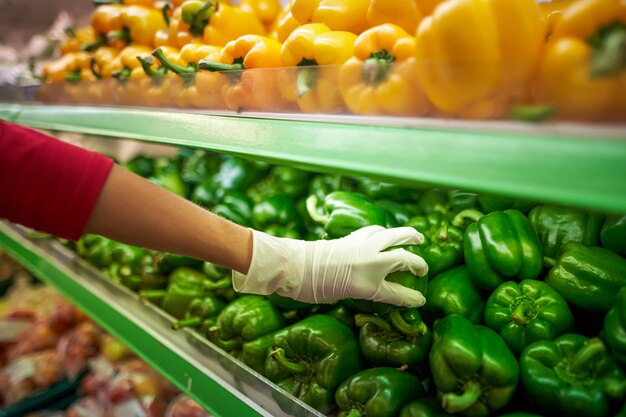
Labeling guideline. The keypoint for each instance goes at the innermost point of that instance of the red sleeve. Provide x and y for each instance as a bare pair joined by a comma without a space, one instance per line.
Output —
47,184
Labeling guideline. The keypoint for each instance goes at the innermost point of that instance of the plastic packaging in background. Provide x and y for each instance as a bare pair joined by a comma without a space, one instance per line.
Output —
185,406
77,346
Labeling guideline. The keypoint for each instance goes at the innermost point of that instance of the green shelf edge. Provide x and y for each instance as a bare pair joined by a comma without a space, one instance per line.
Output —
209,393
586,170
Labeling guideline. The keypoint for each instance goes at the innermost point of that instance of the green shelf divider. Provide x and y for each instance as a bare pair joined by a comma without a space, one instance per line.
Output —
584,167
217,381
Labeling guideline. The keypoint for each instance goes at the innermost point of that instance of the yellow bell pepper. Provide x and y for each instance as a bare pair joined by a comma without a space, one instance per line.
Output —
177,33
199,89
219,23
71,67
552,11
320,52
249,87
106,19
381,76
76,38
266,10
348,15
473,54
582,71
404,13
104,61
119,26
283,26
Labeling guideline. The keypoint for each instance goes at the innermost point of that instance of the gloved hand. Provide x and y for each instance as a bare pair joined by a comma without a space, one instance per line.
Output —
325,271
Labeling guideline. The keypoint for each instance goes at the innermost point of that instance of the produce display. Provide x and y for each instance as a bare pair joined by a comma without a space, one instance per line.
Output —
57,363
521,59
525,309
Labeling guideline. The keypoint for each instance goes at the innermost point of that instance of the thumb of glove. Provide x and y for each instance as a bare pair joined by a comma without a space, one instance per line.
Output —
397,294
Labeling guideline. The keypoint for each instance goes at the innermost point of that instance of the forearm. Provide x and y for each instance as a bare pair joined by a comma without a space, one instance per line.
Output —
132,210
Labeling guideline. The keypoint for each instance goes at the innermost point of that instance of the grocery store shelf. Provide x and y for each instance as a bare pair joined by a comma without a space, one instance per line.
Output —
580,165
221,384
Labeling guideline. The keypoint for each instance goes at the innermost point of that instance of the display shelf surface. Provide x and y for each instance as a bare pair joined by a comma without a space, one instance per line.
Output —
580,165
220,383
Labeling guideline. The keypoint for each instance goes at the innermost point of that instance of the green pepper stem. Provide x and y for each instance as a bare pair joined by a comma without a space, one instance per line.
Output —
206,65
610,58
152,295
175,68
305,81
361,319
454,403
190,322
549,262
92,66
123,35
518,315
293,367
532,113
311,208
400,324
589,352
467,214
92,46
122,75
146,64
165,11
354,413
227,345
217,285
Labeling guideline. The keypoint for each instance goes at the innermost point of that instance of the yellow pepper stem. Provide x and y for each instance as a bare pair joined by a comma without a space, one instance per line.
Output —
197,16
377,66
609,51
92,46
123,35
121,75
94,70
146,64
532,113
307,77
192,68
165,11
72,77
237,65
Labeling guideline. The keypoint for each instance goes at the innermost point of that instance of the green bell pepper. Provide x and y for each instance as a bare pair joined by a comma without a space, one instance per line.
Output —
343,212
140,165
572,376
527,312
309,359
459,200
234,174
589,277
245,319
397,214
500,246
219,281
454,292
185,285
343,314
235,206
167,175
490,202
404,278
199,166
556,226
166,263
377,190
443,242
435,200
284,180
254,353
613,234
614,332
277,214
423,407
322,185
400,339
199,310
474,371
377,392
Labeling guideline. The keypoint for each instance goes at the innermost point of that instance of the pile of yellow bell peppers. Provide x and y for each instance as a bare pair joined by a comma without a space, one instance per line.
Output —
468,59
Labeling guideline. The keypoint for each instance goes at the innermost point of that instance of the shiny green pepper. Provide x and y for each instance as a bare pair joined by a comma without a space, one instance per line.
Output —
423,407
199,310
614,332
500,246
235,206
572,376
343,212
527,312
589,277
454,292
613,234
377,392
556,226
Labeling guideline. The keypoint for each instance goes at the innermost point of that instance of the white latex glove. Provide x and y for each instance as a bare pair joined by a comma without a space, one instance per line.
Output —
325,271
